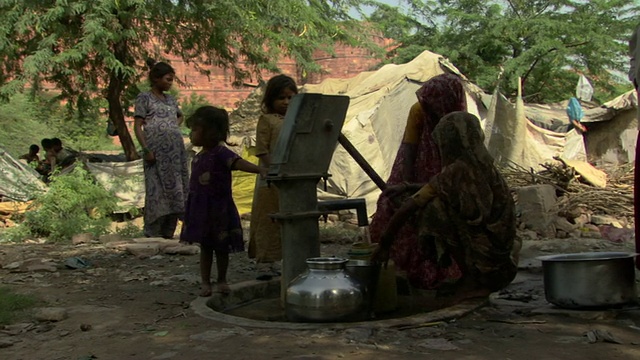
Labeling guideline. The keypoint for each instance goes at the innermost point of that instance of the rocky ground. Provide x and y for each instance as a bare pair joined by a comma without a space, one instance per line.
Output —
115,305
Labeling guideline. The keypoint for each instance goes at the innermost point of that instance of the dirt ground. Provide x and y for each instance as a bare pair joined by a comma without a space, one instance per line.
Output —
123,307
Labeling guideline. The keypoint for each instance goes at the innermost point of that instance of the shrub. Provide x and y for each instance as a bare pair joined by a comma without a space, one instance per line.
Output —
74,204
12,305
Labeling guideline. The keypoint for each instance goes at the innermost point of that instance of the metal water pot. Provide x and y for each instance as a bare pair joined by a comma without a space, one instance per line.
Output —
324,293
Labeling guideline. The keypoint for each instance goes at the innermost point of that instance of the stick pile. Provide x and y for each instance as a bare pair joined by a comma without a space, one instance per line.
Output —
616,199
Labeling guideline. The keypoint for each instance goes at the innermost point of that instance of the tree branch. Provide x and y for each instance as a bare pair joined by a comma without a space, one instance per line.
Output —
515,10
526,75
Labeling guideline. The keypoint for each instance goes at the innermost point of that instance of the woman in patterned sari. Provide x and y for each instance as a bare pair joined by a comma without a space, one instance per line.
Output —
157,127
417,161
465,212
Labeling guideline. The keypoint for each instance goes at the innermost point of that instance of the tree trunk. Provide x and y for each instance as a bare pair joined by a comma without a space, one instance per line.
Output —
116,115
117,82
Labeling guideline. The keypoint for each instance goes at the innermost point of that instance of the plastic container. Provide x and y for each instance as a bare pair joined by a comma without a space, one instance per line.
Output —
386,289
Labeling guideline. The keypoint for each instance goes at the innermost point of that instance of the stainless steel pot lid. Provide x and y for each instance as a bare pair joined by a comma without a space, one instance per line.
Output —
587,256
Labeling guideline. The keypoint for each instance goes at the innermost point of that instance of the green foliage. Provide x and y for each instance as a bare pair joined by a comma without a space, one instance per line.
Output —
26,119
14,234
98,47
130,230
546,43
189,105
22,125
13,305
74,204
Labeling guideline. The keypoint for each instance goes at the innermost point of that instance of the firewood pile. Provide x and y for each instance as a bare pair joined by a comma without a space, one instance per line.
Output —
615,199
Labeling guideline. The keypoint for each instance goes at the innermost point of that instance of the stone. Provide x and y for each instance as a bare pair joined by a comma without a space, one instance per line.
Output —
109,238
83,238
143,251
32,265
615,234
529,235
438,344
161,242
562,234
166,355
564,225
50,314
538,208
591,235
582,220
118,245
606,220
182,250
5,343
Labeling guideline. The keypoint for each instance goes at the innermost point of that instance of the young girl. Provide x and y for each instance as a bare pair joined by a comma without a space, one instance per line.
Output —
264,239
211,217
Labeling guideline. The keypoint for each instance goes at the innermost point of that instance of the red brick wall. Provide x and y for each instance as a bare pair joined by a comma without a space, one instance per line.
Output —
218,88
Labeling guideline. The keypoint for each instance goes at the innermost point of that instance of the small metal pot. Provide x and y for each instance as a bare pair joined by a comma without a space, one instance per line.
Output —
589,280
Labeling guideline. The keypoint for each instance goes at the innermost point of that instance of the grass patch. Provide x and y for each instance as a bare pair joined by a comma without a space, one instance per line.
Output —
130,230
338,234
13,306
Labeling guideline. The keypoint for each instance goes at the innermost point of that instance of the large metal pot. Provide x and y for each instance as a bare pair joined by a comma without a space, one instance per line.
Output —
324,293
587,280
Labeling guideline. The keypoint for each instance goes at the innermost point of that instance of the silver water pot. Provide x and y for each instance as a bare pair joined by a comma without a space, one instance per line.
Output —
324,293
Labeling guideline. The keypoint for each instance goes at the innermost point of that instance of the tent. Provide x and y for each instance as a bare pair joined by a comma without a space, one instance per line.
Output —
610,139
530,135
613,129
126,179
18,181
375,121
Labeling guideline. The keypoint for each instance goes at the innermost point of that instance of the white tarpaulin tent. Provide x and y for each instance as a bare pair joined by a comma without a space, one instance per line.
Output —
512,137
18,181
375,121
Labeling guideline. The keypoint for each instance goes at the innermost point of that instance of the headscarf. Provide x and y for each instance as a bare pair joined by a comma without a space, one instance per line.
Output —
441,95
468,181
460,136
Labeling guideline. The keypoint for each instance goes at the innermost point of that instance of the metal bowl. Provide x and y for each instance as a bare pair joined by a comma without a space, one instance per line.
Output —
590,280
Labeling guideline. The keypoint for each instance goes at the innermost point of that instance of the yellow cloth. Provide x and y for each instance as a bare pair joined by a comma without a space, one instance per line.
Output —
424,195
243,183
267,132
415,121
264,234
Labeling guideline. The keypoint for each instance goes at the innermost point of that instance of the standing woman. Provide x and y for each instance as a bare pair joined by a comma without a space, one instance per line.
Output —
157,127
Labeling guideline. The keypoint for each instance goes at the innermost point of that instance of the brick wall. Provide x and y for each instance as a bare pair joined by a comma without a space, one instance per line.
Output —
218,87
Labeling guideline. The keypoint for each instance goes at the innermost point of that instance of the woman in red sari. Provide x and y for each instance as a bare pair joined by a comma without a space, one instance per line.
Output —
417,161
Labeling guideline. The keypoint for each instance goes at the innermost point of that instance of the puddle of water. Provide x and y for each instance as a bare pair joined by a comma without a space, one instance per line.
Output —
270,309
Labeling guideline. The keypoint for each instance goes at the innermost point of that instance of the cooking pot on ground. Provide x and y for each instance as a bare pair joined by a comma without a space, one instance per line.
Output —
590,280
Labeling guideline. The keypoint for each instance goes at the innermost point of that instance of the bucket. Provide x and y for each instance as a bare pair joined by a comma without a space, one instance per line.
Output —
361,251
366,273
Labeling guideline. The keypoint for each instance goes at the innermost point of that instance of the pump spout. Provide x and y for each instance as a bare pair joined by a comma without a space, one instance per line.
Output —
360,205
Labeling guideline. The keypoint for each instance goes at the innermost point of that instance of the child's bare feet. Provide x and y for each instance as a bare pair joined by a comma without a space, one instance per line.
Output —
205,290
223,288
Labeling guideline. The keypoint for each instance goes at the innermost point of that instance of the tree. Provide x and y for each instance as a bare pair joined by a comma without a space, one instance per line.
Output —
547,43
98,47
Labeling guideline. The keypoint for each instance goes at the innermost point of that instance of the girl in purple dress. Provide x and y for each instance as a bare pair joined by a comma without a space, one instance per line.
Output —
211,217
